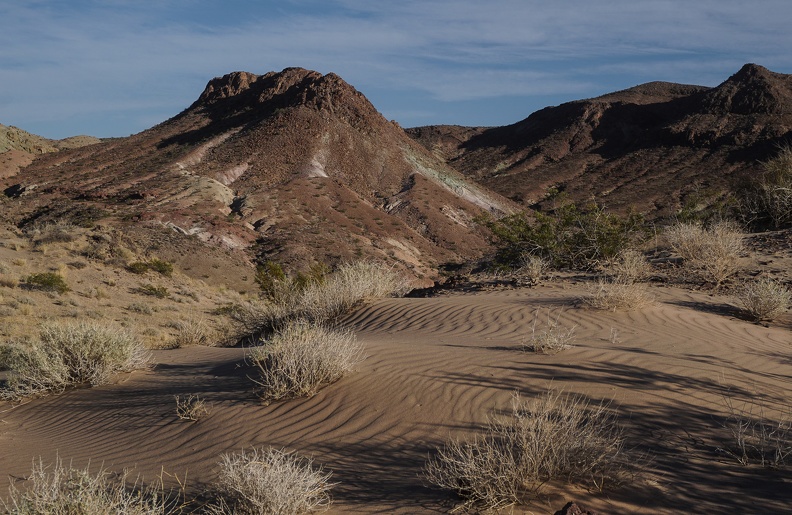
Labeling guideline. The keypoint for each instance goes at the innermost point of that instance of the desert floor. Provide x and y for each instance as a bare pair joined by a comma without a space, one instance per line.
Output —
439,367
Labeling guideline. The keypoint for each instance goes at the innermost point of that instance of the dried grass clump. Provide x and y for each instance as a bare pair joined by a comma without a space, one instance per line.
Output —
764,299
271,482
756,438
345,288
617,294
630,266
302,357
711,254
68,355
554,437
191,407
551,338
61,490
532,269
194,331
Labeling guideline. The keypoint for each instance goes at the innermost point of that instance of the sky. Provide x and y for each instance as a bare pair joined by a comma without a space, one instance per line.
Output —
116,67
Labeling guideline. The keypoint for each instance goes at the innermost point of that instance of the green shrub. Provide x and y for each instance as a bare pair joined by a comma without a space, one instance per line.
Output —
47,281
138,267
161,267
569,236
68,355
160,292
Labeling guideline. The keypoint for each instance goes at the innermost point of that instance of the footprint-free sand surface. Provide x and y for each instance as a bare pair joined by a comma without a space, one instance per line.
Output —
439,367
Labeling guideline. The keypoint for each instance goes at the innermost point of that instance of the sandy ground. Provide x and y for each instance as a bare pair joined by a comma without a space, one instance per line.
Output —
439,367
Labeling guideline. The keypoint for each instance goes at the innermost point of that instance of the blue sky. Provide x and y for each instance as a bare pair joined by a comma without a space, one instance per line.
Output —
116,67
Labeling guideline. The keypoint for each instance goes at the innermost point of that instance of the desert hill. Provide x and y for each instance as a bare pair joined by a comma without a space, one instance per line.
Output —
297,163
655,147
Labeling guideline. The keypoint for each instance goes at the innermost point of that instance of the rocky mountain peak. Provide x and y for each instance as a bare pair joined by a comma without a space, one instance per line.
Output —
752,90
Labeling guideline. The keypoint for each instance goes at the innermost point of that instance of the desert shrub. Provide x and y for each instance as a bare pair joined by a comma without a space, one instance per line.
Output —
143,309
630,266
710,253
550,338
531,269
58,489
46,281
569,236
53,233
7,281
774,188
349,285
138,267
319,301
160,292
192,332
277,286
764,298
301,358
191,407
68,355
271,482
554,437
617,293
755,438
161,267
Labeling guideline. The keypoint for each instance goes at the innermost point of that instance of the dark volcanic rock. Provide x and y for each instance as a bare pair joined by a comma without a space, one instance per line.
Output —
654,147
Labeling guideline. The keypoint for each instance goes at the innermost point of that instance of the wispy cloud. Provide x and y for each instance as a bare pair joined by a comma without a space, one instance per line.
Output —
90,61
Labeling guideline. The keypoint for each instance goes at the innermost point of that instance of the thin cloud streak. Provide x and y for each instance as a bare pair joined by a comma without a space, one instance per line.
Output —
156,56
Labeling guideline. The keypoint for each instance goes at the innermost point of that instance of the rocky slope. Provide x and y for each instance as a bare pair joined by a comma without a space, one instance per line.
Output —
295,165
657,147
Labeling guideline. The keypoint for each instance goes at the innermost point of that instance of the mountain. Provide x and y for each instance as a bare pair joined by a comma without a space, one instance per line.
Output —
294,167
655,148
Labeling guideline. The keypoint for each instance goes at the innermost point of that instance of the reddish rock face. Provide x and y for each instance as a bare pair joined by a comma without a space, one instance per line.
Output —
654,147
295,166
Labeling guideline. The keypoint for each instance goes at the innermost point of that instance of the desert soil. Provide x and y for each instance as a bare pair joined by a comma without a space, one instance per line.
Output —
438,368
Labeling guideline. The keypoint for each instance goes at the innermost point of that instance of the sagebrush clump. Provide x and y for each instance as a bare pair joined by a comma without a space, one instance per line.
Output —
301,358
270,482
64,490
554,437
710,254
764,298
68,355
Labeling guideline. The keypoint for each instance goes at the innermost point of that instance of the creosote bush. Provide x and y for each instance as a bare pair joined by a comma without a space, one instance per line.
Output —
554,437
568,236
271,482
710,253
46,281
68,355
302,357
764,298
58,489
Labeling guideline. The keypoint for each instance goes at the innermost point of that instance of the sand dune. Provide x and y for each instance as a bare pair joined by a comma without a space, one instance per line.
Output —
439,367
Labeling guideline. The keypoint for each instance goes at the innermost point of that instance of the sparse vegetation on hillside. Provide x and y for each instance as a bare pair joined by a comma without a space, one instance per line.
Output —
271,482
68,355
553,437
46,281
